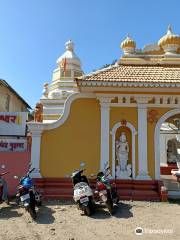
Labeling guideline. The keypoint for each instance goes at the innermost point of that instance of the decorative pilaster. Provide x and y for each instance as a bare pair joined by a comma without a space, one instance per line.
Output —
36,131
105,132
142,142
104,136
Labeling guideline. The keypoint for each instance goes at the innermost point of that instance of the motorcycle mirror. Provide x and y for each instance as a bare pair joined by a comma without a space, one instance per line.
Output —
67,176
92,175
82,164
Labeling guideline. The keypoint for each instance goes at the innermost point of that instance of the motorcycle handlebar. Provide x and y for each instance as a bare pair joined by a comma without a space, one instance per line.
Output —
2,174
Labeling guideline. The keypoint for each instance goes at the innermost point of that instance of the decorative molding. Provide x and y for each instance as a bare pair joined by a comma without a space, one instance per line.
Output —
123,122
149,105
114,83
152,116
138,100
130,89
157,139
113,133
48,126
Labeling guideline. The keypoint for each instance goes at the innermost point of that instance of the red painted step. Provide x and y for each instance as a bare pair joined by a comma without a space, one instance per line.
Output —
61,188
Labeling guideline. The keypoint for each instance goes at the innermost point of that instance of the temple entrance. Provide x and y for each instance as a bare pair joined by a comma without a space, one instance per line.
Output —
165,141
167,150
170,144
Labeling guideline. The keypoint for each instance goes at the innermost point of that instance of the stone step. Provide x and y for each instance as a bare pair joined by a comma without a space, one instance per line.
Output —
127,189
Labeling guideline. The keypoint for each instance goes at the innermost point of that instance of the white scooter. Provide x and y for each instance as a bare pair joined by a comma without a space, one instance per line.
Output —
83,194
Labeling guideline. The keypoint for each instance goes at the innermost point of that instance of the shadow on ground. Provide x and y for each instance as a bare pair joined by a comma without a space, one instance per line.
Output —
45,215
122,210
174,201
9,211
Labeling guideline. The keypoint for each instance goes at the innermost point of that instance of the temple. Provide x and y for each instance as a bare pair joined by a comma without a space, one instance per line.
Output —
125,116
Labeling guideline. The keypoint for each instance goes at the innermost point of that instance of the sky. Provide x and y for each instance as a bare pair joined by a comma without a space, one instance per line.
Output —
33,34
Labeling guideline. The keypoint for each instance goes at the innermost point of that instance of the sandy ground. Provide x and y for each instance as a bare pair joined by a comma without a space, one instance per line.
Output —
58,220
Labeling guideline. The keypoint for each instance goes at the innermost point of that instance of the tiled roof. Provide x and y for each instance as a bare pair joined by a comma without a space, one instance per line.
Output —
135,73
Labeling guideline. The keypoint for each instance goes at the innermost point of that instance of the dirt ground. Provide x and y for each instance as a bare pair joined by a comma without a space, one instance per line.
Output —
60,220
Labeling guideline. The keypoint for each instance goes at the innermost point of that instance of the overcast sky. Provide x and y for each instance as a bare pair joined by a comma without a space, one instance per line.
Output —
33,33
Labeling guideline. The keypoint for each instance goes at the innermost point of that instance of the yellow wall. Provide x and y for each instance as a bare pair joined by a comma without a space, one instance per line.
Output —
77,140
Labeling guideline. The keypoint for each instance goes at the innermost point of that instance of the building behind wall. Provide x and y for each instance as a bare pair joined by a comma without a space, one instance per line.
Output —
10,100
14,144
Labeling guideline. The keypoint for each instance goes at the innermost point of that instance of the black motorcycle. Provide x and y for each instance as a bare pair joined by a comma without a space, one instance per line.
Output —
27,196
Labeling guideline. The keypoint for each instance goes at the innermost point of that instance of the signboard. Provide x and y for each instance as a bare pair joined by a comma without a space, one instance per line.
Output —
13,123
13,145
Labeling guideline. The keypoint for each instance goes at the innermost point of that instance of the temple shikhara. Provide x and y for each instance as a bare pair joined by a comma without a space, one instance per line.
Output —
126,116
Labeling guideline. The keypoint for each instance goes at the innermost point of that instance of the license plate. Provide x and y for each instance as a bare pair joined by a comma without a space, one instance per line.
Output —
25,197
103,192
104,198
85,199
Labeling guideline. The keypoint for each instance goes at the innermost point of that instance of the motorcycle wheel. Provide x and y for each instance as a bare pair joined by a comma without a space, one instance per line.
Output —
87,211
38,203
109,206
32,213
117,200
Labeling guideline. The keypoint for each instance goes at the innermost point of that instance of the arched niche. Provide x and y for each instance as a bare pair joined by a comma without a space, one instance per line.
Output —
115,132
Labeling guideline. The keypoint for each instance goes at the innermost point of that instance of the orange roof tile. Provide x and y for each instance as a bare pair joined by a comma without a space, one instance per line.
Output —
135,74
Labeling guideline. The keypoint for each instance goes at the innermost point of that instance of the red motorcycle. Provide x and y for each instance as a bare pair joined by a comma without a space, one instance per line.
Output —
2,181
106,190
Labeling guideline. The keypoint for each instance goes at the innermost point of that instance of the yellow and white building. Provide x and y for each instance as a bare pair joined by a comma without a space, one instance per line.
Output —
137,97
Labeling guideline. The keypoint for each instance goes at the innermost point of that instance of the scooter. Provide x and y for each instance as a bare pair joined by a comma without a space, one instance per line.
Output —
27,196
83,194
106,190
2,181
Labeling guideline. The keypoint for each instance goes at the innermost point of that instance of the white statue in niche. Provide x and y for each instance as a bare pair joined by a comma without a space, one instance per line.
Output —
123,170
172,155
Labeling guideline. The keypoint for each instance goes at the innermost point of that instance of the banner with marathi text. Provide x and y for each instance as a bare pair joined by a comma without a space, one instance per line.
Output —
13,145
13,123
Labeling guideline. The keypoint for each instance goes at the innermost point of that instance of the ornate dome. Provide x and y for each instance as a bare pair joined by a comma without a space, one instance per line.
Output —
170,39
69,55
128,45
128,42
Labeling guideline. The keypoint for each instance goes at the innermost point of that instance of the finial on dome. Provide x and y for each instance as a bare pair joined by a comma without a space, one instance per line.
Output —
169,30
69,45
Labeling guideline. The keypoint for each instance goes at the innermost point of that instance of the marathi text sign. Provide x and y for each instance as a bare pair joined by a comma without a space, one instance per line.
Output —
13,145
13,123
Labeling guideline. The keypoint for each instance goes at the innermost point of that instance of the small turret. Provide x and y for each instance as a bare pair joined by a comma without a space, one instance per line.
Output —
170,42
128,45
